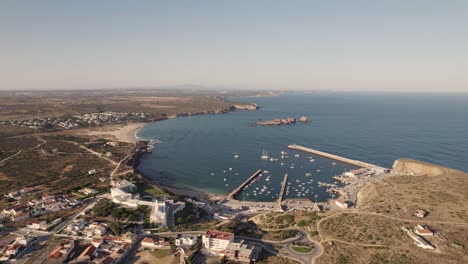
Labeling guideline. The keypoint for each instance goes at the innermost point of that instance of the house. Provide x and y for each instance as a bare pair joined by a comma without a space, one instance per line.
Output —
185,241
242,252
16,209
14,249
423,231
88,253
216,240
355,173
88,191
341,204
148,242
62,250
418,241
38,225
19,217
420,213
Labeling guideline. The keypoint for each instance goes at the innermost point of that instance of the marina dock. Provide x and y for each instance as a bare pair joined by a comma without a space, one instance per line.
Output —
236,191
357,163
284,184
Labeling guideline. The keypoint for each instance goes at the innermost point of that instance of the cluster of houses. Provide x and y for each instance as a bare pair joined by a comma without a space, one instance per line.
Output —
105,250
77,121
18,194
162,212
14,247
80,227
34,208
224,244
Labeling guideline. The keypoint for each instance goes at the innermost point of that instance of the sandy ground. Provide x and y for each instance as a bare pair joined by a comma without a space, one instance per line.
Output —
201,196
124,133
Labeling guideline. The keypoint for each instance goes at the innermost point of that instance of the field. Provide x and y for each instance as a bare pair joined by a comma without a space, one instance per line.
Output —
51,164
160,102
371,233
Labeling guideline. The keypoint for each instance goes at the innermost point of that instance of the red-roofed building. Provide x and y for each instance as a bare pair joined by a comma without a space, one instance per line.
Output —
20,217
108,260
89,252
423,231
216,240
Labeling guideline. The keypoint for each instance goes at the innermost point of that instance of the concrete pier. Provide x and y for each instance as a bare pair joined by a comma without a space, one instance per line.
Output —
237,190
338,158
284,184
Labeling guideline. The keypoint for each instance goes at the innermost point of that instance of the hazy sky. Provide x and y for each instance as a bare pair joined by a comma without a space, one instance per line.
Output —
326,45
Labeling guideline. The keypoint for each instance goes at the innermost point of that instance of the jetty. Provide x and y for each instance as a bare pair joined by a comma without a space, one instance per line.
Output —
357,163
236,191
283,187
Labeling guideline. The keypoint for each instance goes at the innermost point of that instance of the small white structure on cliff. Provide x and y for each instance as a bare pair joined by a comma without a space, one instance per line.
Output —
122,194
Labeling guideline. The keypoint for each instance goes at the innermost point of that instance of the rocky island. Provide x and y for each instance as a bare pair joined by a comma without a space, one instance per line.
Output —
280,121
276,122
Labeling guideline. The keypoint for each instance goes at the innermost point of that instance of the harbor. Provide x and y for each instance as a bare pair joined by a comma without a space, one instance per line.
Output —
357,163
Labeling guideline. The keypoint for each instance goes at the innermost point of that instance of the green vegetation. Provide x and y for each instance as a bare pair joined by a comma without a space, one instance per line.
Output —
279,235
161,253
314,233
105,208
148,189
302,249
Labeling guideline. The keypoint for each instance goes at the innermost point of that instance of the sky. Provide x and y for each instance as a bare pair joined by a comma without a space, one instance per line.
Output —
395,45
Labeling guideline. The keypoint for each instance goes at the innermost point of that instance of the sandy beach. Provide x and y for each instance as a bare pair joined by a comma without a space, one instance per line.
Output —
124,133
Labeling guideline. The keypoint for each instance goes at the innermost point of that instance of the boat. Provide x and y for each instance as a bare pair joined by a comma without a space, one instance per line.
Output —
297,155
230,169
282,163
284,153
236,156
264,155
273,159
318,170
308,174
225,179
212,173
265,171
312,160
334,163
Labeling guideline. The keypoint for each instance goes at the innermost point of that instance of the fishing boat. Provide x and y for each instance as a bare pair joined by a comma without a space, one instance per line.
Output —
297,155
264,155
308,174
284,153
312,160
236,156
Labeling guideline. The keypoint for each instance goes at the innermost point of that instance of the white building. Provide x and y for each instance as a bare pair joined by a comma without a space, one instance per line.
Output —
121,194
38,225
217,241
185,241
341,204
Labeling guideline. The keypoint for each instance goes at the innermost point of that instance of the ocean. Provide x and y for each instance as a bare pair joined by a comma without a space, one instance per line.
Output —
198,152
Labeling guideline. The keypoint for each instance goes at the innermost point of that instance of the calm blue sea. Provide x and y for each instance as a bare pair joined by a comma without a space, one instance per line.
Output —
197,152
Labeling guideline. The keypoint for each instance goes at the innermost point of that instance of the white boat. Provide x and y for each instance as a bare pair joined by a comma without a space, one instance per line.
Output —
225,179
333,163
265,171
284,153
236,156
230,169
273,159
297,155
318,170
308,174
264,155
212,173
